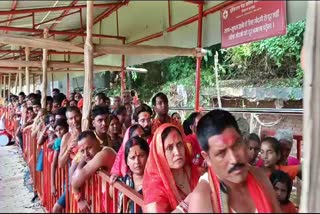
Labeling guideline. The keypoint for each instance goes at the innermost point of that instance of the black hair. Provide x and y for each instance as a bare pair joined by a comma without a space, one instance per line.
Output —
63,123
56,99
174,114
112,117
142,108
22,94
32,96
102,96
29,109
119,110
73,109
36,102
274,144
86,134
190,121
56,90
47,118
136,141
214,123
107,98
254,137
280,176
186,126
166,132
99,110
133,128
160,95
61,111
49,99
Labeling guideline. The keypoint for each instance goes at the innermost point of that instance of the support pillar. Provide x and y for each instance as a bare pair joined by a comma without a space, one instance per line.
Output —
198,65
27,52
311,117
44,72
123,73
88,67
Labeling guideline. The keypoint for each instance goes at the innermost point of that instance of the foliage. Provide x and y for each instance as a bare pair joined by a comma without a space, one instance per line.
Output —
277,57
258,63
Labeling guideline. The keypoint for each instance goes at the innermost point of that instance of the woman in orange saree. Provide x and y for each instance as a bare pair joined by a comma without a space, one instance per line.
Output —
169,175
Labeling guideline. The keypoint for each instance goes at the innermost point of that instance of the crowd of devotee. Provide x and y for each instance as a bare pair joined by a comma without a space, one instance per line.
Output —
200,164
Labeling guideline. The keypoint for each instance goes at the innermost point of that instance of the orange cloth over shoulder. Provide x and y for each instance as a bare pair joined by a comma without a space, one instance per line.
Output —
260,190
159,188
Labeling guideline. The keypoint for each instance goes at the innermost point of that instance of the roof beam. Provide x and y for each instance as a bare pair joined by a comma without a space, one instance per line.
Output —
64,14
195,1
53,64
47,9
149,50
27,41
109,68
13,7
39,52
30,30
103,15
17,18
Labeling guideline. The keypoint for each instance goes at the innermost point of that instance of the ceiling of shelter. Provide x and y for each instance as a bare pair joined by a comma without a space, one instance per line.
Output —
136,20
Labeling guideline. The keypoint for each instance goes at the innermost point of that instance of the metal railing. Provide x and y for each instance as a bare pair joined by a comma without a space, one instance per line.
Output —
286,111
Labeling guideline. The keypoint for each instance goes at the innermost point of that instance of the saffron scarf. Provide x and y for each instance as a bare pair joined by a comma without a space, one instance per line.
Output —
159,188
260,189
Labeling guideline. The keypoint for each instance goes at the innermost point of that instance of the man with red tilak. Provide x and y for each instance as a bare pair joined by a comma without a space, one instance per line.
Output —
231,184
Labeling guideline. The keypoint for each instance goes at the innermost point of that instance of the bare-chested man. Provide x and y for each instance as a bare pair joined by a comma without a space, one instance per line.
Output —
69,141
231,185
68,150
93,157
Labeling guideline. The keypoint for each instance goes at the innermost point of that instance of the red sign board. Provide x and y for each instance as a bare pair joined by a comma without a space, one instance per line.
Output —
248,21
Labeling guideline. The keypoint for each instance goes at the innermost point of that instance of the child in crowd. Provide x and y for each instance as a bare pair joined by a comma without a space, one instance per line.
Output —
282,185
271,155
61,128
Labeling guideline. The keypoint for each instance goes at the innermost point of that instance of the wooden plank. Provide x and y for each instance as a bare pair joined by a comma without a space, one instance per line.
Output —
149,50
311,117
44,72
28,41
16,85
105,68
9,85
55,65
88,67
27,52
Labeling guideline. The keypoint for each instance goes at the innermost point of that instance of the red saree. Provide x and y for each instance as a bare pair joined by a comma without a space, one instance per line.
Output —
260,189
159,188
197,159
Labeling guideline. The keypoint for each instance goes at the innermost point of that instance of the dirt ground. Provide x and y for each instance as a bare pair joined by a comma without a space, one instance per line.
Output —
15,196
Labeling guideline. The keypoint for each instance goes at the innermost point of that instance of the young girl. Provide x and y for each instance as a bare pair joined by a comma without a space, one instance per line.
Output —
136,155
271,155
282,185
61,128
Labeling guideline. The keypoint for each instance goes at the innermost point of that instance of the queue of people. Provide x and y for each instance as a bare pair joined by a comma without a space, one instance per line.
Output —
204,164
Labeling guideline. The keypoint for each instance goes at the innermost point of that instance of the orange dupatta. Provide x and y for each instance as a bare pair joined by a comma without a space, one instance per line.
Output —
260,189
159,188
